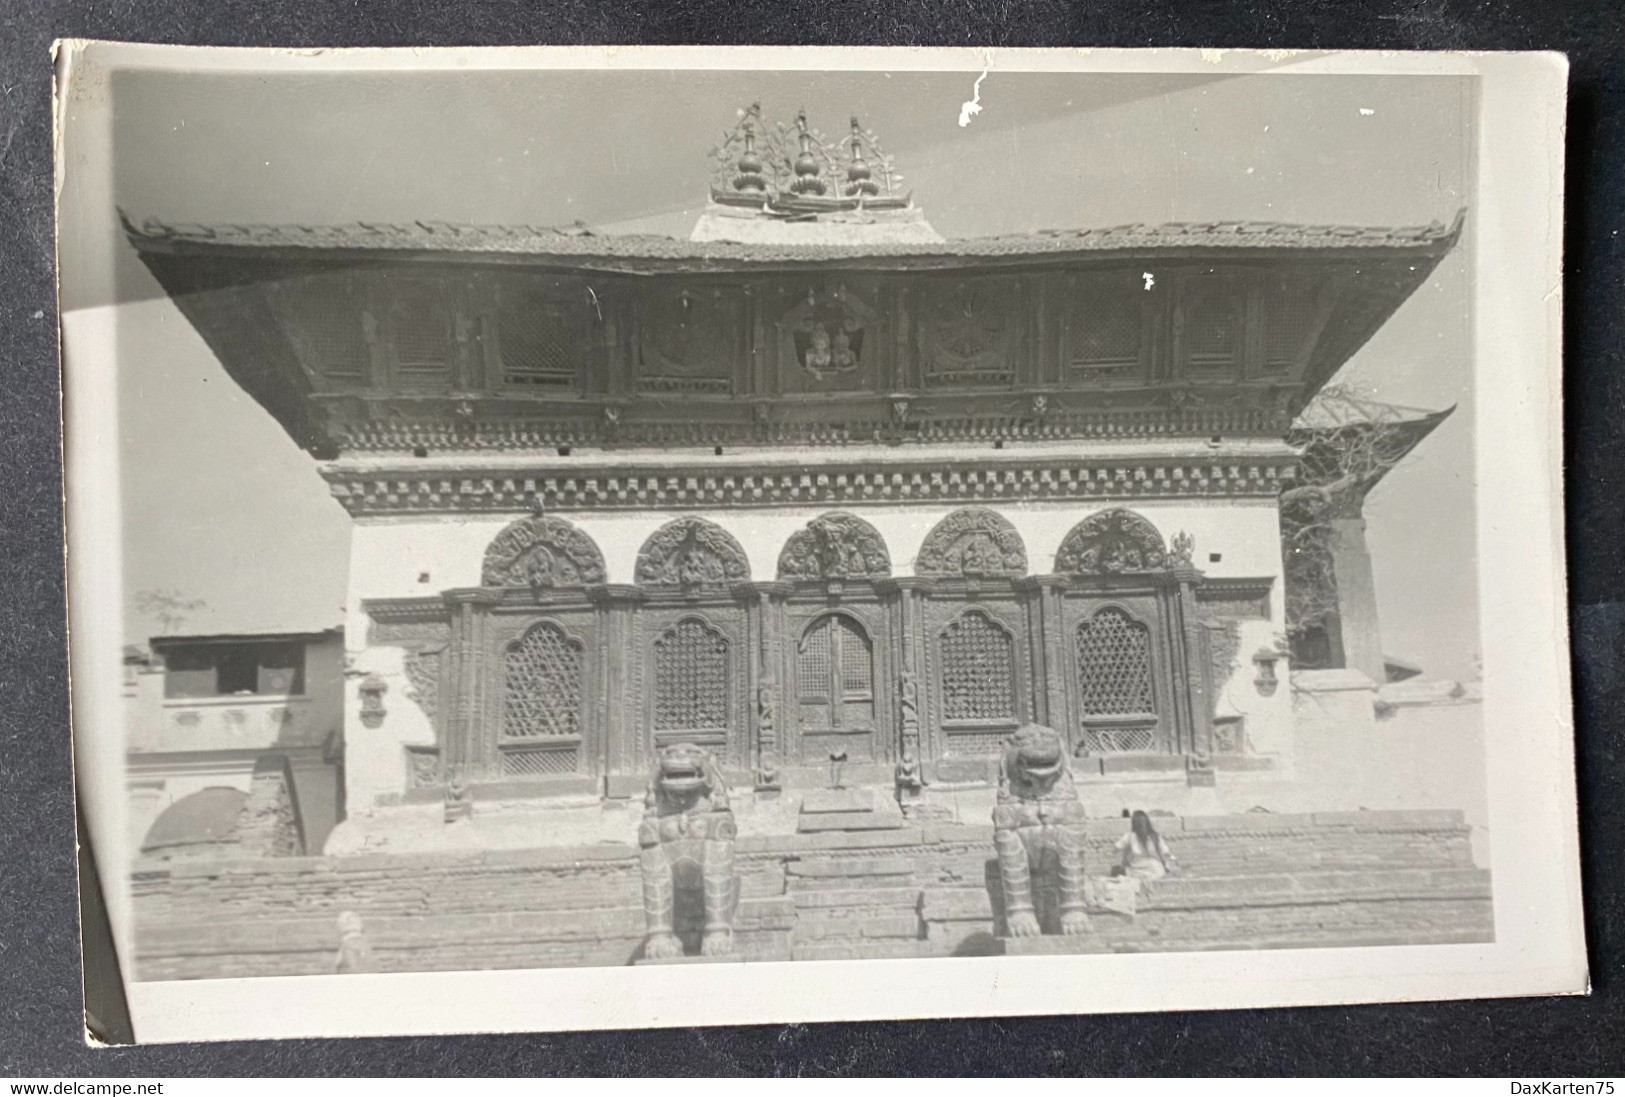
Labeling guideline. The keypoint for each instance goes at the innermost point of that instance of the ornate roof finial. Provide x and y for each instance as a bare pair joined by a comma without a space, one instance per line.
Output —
860,183
750,177
808,170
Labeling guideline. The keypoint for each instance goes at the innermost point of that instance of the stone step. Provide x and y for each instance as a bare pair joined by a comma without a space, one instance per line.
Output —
898,898
865,950
900,926
848,820
849,868
837,801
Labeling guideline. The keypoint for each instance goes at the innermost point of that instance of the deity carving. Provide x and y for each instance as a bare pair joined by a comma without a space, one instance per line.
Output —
686,852
767,705
691,553
835,546
973,543
542,552
1039,834
826,333
1112,542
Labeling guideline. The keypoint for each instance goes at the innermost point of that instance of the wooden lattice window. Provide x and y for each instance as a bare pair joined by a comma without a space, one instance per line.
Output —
1107,327
978,670
1289,312
537,339
327,312
1115,680
422,336
835,675
543,694
1213,310
691,678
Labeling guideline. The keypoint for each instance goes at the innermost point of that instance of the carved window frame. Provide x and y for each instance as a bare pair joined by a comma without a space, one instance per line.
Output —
722,740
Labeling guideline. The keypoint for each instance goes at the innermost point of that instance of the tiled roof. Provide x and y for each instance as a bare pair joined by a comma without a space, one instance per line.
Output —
581,243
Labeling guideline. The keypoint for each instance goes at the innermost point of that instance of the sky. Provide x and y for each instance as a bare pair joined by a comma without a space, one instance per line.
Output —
221,507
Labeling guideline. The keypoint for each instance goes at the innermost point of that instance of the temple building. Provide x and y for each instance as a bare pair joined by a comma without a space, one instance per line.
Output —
814,486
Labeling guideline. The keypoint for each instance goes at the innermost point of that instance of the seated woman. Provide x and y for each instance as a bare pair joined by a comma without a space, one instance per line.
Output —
1142,853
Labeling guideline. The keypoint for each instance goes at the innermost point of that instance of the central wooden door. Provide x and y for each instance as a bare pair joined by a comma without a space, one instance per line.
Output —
835,677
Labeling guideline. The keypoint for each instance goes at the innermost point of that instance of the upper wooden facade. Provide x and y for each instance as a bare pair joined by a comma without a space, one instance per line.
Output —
810,307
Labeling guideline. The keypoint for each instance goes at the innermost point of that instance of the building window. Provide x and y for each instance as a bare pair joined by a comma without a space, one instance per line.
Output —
422,336
543,692
978,671
537,339
327,317
1289,311
1212,324
1114,680
228,670
691,680
1107,328
835,675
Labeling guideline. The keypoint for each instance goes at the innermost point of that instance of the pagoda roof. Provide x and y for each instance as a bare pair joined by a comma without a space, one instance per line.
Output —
579,246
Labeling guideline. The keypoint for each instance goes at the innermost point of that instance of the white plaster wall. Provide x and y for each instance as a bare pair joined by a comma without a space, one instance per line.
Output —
376,770
419,557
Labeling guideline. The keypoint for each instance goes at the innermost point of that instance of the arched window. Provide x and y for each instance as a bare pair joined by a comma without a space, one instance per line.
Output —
543,685
1114,680
978,671
692,685
835,681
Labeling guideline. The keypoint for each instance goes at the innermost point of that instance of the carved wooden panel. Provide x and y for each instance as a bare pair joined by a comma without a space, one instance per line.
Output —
835,546
690,341
974,542
542,552
970,332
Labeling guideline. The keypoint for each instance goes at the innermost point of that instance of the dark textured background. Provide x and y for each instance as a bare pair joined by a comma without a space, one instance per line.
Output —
40,1030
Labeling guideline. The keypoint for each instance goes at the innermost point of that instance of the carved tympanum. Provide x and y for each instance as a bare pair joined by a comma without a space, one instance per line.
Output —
974,543
1111,543
835,546
542,552
691,552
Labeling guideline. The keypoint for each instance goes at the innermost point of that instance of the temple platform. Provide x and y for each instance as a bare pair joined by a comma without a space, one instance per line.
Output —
1255,880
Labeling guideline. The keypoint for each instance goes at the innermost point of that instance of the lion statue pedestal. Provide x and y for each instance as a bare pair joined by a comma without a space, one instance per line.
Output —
686,852
1038,831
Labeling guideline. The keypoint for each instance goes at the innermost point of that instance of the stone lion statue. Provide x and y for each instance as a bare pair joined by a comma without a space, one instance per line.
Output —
686,850
1039,834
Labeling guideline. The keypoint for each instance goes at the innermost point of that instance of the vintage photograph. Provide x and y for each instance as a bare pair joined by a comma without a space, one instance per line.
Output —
593,517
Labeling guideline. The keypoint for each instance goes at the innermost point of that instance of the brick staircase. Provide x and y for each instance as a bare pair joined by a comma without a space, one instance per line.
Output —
857,883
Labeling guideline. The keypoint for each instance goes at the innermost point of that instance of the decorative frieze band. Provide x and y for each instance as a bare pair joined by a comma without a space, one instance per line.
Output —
437,491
